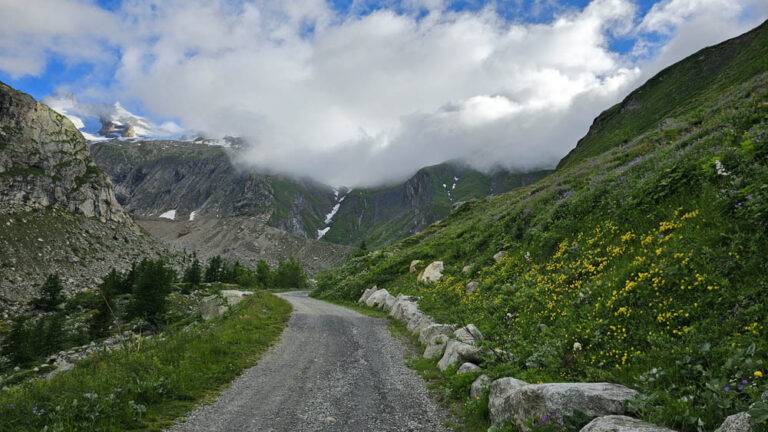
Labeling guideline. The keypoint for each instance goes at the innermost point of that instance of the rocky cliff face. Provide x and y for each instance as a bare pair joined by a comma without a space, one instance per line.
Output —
44,161
195,180
58,211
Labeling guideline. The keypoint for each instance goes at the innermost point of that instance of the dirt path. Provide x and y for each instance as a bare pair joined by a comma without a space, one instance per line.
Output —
333,370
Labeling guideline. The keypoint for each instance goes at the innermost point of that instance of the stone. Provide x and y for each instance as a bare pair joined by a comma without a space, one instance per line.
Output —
563,399
468,334
414,264
618,423
435,346
471,287
433,272
418,320
498,397
764,397
459,352
542,327
380,299
234,297
432,330
741,422
211,307
467,368
404,308
367,293
466,269
499,256
479,386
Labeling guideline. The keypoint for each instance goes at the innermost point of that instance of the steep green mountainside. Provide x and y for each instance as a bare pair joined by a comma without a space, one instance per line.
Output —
58,211
675,91
380,216
644,265
153,177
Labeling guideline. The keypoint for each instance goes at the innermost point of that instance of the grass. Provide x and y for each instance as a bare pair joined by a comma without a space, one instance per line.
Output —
650,256
150,384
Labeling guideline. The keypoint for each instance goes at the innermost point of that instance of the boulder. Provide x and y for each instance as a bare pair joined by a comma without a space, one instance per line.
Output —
211,307
380,299
468,334
563,399
479,386
618,423
432,330
433,272
498,396
499,256
741,422
234,297
417,321
367,293
435,346
471,287
389,301
467,368
404,308
413,266
466,269
459,352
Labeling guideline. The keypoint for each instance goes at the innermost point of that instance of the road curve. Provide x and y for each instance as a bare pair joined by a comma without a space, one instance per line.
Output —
333,370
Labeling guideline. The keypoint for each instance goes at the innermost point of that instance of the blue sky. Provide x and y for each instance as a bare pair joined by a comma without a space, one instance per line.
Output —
359,92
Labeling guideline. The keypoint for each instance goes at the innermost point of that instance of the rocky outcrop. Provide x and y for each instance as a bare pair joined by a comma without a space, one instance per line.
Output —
563,399
44,162
618,423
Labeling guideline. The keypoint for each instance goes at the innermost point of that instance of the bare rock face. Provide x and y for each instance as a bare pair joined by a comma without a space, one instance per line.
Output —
499,396
44,162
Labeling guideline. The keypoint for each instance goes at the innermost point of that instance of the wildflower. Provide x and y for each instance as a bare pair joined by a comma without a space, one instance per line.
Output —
576,346
741,387
34,408
758,374
721,169
726,388
744,381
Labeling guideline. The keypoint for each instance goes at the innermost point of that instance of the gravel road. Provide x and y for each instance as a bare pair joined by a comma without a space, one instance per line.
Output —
333,370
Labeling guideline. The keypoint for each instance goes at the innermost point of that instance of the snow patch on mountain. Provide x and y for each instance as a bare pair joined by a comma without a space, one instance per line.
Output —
170,214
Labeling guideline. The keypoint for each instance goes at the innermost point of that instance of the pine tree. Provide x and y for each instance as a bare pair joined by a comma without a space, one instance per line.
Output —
193,275
50,295
213,272
263,275
151,287
18,345
105,315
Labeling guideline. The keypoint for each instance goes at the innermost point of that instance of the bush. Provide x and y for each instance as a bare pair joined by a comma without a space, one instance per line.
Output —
50,296
152,284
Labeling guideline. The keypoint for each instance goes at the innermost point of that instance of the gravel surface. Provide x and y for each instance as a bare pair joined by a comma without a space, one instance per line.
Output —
333,370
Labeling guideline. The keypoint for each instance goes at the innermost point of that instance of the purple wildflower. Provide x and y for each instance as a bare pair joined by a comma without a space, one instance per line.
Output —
744,381
750,196
741,387
726,388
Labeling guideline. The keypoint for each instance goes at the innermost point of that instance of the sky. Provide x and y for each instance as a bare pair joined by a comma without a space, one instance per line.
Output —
360,92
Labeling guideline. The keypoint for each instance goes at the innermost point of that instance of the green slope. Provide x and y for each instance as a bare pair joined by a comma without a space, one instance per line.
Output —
676,90
651,256
382,215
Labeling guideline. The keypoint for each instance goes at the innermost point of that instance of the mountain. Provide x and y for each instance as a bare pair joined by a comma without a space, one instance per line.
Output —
58,210
641,264
190,180
676,90
185,180
382,215
99,122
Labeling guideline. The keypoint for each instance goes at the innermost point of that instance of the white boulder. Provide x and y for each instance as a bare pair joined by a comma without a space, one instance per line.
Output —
467,368
435,346
741,422
479,386
459,352
498,397
468,334
433,272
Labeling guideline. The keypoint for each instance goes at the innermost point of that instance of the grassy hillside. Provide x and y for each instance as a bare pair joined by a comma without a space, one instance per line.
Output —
678,89
651,256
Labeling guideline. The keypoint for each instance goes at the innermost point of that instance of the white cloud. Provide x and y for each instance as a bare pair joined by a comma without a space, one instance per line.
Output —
364,99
